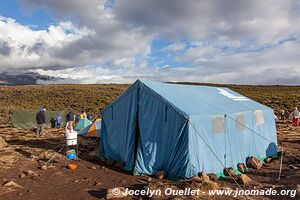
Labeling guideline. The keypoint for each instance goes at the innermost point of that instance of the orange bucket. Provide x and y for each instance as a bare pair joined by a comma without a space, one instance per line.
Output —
71,166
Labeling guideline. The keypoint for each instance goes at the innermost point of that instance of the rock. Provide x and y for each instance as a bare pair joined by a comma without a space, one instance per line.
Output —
44,167
92,167
120,164
31,173
293,160
12,184
97,183
102,159
149,180
33,157
116,193
241,167
229,172
196,179
268,160
212,177
253,163
142,181
22,175
203,176
293,167
161,174
2,143
298,190
244,179
94,154
109,161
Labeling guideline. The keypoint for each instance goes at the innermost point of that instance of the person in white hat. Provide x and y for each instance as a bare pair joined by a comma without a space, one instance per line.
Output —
296,117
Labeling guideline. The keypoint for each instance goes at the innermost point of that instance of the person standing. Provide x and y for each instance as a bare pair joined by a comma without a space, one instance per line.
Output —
295,114
70,120
58,121
83,115
90,117
41,120
53,122
282,113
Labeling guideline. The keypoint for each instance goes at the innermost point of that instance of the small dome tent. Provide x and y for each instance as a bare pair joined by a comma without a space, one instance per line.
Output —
82,124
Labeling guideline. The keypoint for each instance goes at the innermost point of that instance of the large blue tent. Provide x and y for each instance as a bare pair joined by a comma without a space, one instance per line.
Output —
184,129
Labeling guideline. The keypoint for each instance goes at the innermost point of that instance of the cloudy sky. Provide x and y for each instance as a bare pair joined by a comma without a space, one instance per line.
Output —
101,41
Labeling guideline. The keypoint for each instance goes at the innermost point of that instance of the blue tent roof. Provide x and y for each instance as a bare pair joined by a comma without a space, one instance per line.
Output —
199,100
203,100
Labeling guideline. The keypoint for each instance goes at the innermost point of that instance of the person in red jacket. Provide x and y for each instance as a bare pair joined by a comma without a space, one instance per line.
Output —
296,115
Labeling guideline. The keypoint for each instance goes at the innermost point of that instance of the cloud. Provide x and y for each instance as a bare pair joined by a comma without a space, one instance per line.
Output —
99,41
22,47
197,20
175,47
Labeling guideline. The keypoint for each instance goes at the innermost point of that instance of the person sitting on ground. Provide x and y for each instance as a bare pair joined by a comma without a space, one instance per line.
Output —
41,120
58,121
53,122
295,115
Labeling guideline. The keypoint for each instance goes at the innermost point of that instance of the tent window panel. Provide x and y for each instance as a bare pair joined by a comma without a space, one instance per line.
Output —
240,122
259,117
218,124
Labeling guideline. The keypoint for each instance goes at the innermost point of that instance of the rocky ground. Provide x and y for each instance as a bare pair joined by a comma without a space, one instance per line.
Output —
22,157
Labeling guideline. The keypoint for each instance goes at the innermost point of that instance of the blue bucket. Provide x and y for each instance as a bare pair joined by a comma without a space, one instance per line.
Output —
71,154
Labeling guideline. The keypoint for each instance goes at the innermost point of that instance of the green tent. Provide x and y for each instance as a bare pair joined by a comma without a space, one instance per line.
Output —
27,119
82,124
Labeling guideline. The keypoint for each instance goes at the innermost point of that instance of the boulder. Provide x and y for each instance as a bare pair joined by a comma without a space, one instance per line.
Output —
244,179
242,167
212,177
203,176
161,175
253,163
116,193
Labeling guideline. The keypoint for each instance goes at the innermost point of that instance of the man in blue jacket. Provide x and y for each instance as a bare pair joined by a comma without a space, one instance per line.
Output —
41,120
